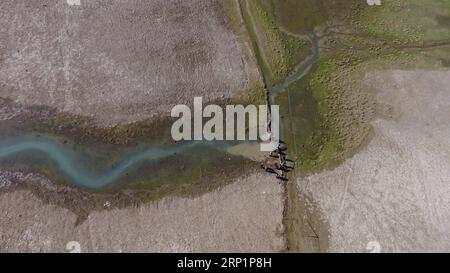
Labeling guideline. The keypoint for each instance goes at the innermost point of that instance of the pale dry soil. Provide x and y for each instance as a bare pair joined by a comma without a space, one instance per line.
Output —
119,61
245,216
396,191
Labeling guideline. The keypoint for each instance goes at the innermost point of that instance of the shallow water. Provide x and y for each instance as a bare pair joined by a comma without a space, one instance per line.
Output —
69,163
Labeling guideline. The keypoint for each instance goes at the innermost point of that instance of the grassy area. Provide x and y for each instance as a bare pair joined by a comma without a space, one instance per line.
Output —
343,109
277,52
299,16
408,21
303,128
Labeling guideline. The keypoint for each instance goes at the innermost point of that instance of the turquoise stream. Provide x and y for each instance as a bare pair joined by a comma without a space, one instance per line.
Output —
65,159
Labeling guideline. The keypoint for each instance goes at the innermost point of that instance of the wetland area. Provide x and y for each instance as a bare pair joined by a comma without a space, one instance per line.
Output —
86,152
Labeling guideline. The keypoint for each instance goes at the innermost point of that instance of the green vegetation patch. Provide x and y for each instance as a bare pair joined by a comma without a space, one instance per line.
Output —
408,21
327,115
300,16
277,52
344,107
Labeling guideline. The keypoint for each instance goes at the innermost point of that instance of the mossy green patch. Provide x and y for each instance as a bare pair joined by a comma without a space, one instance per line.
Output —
300,16
344,108
336,121
304,130
277,52
407,21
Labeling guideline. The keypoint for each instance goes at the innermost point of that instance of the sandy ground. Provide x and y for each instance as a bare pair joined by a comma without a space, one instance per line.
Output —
243,216
119,61
395,193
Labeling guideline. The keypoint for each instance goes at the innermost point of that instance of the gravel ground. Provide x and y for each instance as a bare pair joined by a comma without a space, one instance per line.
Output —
119,61
395,193
245,216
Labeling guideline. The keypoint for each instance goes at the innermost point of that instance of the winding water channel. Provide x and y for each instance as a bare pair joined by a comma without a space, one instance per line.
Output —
68,164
